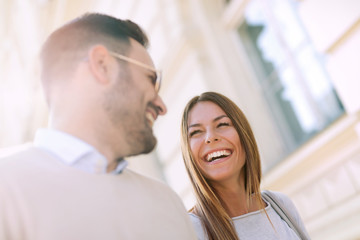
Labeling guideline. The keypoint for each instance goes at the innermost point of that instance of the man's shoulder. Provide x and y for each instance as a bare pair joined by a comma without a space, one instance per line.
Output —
19,158
148,184
142,179
13,150
15,153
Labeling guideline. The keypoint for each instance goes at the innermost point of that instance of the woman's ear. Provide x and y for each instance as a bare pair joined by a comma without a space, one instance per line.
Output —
100,63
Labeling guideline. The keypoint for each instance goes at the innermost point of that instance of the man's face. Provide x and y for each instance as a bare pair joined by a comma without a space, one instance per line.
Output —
133,104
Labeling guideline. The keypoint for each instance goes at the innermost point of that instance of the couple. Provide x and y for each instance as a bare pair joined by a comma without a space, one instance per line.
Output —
102,90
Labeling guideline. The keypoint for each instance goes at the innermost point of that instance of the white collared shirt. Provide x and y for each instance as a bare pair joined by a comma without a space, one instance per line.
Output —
74,152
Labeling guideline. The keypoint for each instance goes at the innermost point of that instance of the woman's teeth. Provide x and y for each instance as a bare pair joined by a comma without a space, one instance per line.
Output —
215,155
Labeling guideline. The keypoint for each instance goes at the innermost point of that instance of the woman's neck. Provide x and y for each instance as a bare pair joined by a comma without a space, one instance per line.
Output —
235,200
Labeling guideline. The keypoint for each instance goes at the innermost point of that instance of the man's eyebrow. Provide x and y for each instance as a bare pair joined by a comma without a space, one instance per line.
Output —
215,119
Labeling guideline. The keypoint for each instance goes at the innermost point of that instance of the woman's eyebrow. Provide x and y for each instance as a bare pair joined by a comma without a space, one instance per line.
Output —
219,117
194,125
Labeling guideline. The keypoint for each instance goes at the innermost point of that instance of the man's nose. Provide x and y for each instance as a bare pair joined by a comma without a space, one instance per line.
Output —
160,105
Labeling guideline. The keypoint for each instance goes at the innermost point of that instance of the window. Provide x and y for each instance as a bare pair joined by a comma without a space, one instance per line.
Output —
290,72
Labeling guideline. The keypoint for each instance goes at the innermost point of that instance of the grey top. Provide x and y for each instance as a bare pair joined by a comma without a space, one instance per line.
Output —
256,226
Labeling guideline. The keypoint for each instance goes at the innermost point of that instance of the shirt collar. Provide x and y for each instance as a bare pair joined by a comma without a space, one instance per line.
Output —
74,152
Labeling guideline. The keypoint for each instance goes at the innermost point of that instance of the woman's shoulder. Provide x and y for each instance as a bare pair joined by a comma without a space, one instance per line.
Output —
286,203
282,198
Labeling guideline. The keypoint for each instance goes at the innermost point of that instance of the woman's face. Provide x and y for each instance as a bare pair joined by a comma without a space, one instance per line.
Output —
215,143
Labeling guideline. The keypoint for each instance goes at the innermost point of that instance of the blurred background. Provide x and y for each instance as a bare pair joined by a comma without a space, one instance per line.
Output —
293,66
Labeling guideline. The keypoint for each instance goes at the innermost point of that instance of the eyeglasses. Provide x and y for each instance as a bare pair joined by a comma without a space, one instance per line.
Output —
157,82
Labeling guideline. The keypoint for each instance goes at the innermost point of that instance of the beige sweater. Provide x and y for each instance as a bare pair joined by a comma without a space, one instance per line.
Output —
43,199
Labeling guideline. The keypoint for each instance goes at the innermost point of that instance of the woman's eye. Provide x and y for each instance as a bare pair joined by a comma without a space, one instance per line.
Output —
194,132
223,124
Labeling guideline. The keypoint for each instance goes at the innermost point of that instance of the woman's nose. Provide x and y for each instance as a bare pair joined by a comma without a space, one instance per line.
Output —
211,137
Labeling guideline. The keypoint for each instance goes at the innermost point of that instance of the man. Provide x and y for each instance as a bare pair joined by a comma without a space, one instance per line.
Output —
102,91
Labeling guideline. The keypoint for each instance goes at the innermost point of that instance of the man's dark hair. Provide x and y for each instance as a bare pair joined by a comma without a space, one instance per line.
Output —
69,44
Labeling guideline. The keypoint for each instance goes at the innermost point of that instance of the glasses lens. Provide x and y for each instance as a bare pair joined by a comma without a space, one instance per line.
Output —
158,81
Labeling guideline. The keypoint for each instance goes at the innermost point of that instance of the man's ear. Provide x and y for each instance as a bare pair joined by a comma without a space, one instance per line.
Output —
100,63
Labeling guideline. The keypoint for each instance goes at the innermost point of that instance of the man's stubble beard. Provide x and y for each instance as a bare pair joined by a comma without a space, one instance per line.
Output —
126,113
140,141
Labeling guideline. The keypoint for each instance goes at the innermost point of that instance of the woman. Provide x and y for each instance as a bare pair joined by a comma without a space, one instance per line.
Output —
223,163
